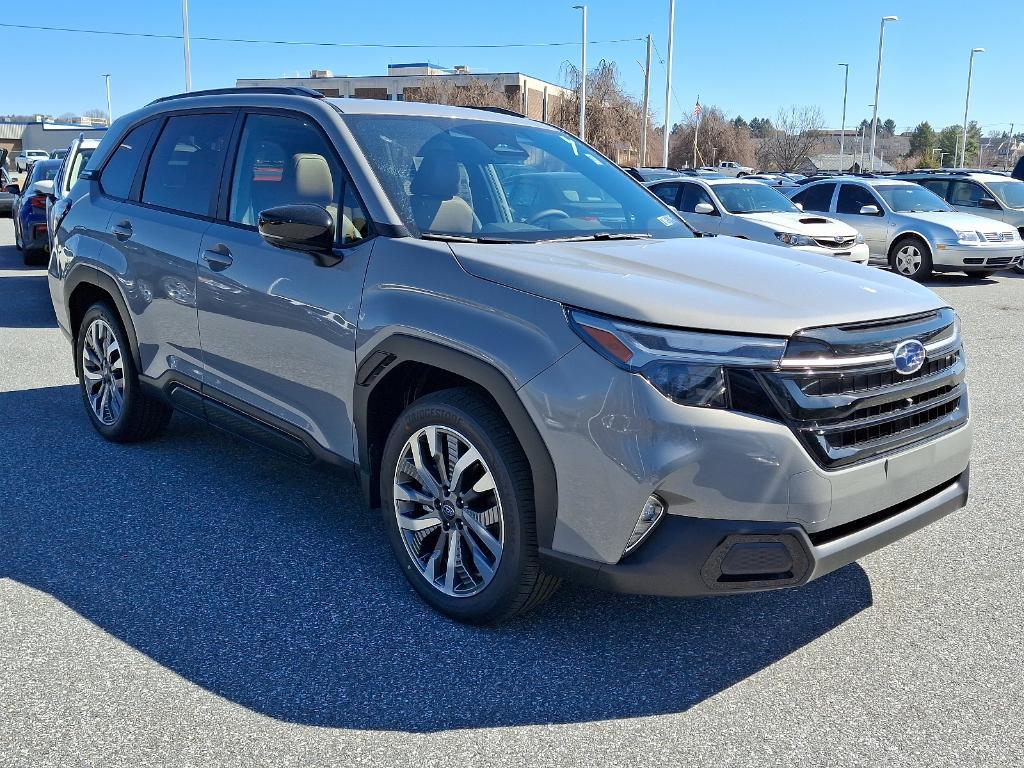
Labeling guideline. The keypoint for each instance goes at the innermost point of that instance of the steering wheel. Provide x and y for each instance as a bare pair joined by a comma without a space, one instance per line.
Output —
548,212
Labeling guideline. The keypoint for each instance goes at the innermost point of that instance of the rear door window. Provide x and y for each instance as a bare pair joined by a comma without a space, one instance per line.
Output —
816,198
184,171
669,193
939,186
119,172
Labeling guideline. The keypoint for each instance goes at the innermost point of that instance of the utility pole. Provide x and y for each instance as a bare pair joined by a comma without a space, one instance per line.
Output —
110,114
878,81
967,104
842,130
184,34
647,105
668,81
583,76
862,149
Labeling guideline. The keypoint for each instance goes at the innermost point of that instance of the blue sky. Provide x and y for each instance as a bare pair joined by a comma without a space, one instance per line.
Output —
748,57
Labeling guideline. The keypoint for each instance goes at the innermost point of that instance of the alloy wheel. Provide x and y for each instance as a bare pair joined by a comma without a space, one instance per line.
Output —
103,372
908,260
448,511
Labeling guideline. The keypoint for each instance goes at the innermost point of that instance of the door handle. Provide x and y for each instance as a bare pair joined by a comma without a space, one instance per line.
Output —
218,257
122,231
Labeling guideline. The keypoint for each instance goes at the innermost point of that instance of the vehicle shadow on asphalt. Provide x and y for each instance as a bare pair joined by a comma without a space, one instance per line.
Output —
272,585
24,299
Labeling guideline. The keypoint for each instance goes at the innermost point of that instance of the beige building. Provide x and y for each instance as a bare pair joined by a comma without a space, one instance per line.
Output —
533,97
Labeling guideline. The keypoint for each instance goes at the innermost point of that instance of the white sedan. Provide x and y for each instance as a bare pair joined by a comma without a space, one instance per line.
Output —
754,211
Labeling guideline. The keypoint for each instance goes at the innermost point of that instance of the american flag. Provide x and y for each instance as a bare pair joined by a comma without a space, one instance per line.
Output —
697,109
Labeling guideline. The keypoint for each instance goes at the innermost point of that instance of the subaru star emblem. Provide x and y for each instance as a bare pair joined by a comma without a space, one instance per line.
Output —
909,356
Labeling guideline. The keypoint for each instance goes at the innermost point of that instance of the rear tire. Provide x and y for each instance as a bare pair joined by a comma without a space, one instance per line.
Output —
470,554
911,258
119,409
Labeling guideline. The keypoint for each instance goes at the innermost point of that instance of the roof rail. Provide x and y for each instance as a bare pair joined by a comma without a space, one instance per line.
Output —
281,90
503,111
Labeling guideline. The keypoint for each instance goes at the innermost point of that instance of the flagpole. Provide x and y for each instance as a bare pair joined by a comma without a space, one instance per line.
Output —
696,128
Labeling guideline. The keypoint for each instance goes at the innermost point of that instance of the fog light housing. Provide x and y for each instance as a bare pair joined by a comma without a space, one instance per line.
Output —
650,516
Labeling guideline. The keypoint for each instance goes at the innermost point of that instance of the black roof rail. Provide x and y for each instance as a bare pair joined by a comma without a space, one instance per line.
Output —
280,90
503,111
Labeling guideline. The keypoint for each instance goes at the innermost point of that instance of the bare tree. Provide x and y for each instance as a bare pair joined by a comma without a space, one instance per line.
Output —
475,92
795,135
96,112
717,139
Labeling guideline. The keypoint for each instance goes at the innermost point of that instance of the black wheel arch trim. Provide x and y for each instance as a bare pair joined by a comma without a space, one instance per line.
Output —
84,273
400,348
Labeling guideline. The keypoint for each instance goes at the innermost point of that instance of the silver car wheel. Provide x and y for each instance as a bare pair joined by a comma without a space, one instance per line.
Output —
103,372
448,511
908,260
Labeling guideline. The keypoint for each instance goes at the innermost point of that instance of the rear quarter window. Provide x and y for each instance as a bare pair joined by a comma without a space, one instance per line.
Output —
119,172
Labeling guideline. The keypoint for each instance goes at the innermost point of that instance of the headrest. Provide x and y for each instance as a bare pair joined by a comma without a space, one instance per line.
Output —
438,176
313,179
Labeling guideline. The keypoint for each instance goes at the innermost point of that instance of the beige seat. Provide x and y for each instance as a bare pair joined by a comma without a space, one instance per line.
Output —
435,202
314,184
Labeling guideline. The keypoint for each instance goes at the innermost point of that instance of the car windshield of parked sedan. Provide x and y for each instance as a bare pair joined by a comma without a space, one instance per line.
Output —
753,198
44,170
911,198
466,179
1009,193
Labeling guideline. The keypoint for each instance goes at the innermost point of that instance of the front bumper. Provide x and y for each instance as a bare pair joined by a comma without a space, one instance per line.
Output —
689,556
956,257
855,253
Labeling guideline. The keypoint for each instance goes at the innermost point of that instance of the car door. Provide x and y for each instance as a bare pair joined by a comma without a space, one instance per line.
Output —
692,195
852,198
278,325
668,192
159,229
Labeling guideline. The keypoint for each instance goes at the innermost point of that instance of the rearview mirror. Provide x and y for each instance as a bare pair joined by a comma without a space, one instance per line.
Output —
869,210
988,202
302,227
704,208
12,189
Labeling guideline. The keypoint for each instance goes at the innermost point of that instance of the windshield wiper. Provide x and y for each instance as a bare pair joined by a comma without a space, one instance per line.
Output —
468,238
599,236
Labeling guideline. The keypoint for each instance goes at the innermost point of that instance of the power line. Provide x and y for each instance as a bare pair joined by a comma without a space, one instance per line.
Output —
327,44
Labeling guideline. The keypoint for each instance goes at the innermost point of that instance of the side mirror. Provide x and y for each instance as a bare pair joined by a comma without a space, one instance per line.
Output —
12,189
303,227
870,210
705,209
988,202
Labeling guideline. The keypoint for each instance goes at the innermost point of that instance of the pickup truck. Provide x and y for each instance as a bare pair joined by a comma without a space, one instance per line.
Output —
24,160
729,168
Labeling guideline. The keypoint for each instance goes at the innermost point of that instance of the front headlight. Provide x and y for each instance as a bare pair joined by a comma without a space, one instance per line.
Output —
968,236
789,238
859,239
688,367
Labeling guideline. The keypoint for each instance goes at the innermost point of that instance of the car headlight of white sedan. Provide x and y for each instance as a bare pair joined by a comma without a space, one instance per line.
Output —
860,239
792,239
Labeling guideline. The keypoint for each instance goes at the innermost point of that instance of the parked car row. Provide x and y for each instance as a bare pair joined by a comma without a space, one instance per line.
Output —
536,368
43,197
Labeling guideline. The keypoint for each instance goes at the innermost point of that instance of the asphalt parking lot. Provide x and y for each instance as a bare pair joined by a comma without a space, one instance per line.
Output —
195,601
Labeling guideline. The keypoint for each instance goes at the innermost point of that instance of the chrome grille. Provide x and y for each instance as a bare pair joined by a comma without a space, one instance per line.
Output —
849,404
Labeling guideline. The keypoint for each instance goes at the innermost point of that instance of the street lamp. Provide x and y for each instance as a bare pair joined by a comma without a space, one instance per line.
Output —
842,130
583,76
942,154
668,81
184,36
878,80
110,114
967,104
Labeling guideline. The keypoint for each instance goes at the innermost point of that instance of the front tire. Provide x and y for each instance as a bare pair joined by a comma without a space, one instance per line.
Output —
457,500
117,406
911,258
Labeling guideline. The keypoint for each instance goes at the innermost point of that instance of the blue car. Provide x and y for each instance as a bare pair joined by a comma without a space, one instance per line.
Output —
29,212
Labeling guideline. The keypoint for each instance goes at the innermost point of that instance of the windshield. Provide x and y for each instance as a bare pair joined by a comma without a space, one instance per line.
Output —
1009,193
753,198
77,164
44,171
911,198
490,181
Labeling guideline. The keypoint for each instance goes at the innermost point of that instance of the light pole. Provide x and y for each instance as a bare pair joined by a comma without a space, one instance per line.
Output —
942,154
668,81
583,76
842,130
967,103
184,35
647,105
110,114
878,81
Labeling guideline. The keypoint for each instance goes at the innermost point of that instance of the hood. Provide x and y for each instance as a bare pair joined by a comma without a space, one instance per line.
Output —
801,223
720,283
960,221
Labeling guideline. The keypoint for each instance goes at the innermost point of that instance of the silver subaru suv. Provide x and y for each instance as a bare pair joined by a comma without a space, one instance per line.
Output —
532,365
